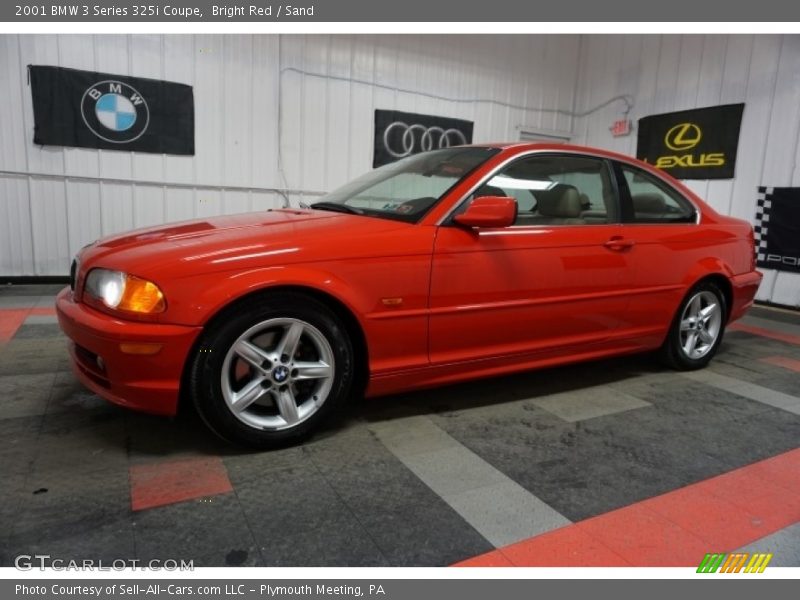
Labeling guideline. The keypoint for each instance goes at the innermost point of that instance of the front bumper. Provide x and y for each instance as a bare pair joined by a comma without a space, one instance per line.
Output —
149,383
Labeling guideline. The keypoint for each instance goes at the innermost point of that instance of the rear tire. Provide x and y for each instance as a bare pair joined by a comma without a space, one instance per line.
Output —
268,372
696,331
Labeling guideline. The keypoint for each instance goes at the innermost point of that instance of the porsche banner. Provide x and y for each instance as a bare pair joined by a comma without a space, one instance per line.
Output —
401,134
692,144
112,112
777,228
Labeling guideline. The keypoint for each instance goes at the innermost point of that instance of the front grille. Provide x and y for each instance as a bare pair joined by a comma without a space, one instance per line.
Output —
73,273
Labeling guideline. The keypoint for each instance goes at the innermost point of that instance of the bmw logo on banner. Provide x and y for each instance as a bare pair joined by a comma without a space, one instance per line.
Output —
401,134
113,112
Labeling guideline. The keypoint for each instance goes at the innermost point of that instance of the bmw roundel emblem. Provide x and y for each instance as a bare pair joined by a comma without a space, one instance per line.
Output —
114,111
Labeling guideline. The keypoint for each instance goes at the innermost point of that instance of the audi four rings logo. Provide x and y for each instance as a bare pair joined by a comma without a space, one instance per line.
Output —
419,136
115,112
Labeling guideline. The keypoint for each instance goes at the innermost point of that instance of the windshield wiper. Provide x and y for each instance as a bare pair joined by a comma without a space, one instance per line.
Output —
336,207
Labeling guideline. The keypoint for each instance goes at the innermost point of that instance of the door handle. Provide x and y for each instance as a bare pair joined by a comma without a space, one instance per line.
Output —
619,244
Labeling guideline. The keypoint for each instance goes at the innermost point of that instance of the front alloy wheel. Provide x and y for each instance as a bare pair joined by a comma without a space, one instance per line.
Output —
277,374
269,370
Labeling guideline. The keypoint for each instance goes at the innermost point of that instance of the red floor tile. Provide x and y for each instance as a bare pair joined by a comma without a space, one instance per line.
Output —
769,504
10,321
43,311
645,538
775,335
162,483
721,524
783,361
678,528
490,559
566,547
783,471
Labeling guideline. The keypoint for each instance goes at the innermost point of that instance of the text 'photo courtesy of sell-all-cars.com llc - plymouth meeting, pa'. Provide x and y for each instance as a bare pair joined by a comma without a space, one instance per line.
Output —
445,266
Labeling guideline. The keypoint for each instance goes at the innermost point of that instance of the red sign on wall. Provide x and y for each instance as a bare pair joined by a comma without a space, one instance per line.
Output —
621,127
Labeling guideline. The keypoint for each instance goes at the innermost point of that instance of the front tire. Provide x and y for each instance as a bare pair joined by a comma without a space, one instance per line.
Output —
270,371
697,329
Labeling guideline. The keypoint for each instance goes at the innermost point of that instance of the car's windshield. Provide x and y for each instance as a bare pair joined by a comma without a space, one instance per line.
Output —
405,190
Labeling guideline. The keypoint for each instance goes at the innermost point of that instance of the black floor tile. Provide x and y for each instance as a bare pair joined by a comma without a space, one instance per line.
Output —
211,528
423,535
780,316
38,331
33,289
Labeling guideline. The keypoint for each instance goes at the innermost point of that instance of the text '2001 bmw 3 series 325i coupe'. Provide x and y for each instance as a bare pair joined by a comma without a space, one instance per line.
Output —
448,265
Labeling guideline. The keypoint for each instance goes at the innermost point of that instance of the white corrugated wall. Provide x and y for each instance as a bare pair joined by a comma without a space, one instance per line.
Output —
665,73
317,93
55,200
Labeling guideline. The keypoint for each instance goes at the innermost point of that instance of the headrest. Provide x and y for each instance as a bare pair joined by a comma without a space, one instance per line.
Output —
585,202
649,203
564,202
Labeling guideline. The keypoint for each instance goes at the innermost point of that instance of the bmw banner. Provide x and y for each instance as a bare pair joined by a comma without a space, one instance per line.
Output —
112,112
692,144
401,134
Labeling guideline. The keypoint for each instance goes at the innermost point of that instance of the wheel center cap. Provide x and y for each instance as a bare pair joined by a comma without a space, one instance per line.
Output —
280,373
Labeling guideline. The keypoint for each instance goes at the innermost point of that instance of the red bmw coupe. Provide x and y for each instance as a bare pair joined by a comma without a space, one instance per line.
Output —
448,265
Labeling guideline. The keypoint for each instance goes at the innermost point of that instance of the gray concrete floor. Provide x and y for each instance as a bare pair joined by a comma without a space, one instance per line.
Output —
429,478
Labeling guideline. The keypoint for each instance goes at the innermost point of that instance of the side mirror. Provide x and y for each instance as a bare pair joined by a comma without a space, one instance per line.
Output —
489,211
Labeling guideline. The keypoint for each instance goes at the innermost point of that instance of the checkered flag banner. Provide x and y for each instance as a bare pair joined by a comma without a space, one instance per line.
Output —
762,224
777,228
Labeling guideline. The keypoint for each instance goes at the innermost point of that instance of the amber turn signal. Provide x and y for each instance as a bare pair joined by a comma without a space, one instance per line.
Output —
141,296
139,348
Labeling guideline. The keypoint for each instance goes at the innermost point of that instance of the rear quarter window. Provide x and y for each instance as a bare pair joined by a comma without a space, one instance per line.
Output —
653,201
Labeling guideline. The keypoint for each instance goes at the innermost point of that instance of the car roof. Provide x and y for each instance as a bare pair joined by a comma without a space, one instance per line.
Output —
526,146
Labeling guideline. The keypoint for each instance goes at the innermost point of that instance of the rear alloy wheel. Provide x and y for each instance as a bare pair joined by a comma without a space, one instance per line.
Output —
697,329
270,375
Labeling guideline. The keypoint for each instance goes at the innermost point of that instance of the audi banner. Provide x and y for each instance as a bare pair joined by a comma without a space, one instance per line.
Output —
692,144
401,134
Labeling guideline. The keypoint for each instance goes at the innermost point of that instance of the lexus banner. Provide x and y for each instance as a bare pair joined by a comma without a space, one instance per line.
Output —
112,112
777,228
692,144
401,134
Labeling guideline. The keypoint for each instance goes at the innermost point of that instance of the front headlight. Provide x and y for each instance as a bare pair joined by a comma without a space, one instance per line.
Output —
121,291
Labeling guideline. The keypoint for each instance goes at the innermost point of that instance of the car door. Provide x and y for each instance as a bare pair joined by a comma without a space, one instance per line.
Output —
557,279
668,244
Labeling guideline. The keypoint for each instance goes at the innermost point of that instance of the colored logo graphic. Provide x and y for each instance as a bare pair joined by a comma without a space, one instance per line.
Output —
735,563
683,137
115,112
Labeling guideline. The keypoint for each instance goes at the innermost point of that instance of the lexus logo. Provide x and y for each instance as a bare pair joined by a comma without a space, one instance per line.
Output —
115,112
684,136
418,138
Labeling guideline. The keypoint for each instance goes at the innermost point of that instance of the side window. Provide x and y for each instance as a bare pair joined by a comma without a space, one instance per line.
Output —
556,190
654,201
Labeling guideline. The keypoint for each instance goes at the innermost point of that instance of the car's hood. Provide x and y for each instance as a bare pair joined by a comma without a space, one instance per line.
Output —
242,241
203,231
